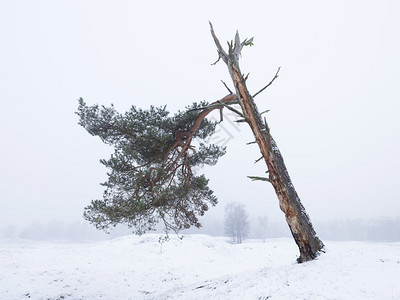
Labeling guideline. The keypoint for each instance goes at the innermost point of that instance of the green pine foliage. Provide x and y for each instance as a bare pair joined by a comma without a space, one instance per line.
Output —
150,178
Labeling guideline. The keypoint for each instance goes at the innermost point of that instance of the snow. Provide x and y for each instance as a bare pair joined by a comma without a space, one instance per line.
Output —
196,267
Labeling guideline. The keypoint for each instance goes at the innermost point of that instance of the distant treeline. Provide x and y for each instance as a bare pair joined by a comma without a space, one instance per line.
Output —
54,230
383,229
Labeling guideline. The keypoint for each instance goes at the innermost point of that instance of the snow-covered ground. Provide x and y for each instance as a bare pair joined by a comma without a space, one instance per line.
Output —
196,267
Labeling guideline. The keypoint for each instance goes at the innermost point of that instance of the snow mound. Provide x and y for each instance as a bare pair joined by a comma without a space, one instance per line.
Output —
196,267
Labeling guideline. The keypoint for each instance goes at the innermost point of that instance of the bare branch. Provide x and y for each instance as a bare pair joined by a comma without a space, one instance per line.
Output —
215,105
248,42
257,160
232,109
221,52
240,121
257,178
219,57
227,87
273,79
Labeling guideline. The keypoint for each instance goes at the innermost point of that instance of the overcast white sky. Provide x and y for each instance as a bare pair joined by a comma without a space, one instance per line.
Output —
334,109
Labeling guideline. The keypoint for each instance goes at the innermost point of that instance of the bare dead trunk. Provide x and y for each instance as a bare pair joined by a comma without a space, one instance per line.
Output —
299,223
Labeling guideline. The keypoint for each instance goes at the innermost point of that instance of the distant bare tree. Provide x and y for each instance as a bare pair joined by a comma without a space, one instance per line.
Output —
236,222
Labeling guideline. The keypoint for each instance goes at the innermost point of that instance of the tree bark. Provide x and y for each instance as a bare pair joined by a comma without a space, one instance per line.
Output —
299,222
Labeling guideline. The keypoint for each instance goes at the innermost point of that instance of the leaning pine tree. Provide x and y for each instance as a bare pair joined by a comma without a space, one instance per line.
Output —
152,174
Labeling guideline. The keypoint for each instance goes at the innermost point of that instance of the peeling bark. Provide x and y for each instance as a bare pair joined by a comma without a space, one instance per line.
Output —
299,222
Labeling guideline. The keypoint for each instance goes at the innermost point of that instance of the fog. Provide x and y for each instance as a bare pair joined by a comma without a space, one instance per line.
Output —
381,230
333,110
